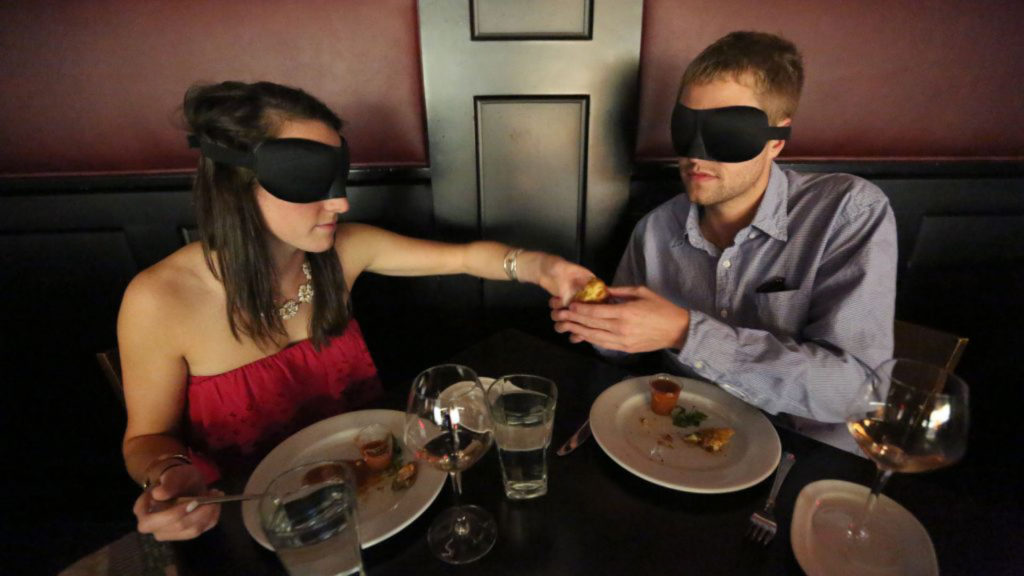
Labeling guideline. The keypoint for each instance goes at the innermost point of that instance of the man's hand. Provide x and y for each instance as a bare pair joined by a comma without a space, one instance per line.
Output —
638,321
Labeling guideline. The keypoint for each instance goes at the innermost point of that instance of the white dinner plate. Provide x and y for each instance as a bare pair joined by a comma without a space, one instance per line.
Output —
382,511
628,431
815,548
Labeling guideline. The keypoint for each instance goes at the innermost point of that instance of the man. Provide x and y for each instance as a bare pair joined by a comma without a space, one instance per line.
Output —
773,284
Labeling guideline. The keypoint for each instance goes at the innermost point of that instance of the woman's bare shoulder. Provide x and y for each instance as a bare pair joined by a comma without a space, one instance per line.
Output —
179,280
355,244
354,231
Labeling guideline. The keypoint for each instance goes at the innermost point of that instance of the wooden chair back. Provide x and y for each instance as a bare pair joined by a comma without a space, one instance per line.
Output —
110,365
928,345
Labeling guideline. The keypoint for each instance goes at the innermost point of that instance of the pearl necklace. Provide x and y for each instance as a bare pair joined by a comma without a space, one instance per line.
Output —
290,308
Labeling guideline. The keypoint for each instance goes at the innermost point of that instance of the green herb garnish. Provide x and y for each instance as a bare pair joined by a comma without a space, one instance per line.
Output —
684,419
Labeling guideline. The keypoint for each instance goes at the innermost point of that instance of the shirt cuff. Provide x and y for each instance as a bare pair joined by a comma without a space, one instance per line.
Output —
710,351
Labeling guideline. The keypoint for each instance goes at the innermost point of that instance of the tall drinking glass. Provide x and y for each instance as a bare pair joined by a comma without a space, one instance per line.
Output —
523,408
448,425
913,417
309,516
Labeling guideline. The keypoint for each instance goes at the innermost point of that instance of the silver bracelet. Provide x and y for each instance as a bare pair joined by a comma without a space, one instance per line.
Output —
178,460
511,264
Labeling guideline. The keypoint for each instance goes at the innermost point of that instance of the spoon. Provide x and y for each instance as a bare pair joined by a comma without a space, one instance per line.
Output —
197,501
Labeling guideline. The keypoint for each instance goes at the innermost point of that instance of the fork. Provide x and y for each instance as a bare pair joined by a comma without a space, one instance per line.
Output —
762,523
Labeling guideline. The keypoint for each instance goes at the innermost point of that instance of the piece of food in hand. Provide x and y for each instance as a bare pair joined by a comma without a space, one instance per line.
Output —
664,394
594,292
710,439
405,477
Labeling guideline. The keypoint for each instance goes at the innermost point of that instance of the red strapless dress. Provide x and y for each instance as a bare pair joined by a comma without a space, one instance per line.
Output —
242,414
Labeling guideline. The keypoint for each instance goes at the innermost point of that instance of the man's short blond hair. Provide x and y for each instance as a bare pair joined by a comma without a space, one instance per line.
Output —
771,63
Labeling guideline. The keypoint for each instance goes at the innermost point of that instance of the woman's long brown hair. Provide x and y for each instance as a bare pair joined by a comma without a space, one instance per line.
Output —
231,226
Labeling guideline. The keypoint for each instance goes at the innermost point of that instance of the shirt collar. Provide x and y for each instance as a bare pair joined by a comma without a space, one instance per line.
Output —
688,223
772,215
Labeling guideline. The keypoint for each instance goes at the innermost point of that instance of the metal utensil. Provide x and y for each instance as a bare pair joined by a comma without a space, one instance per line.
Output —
576,439
197,501
762,523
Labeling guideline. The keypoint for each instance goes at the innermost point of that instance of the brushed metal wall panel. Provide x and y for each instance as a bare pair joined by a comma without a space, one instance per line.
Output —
531,19
531,168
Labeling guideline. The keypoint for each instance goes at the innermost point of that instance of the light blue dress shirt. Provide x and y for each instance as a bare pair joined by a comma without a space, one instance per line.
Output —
822,248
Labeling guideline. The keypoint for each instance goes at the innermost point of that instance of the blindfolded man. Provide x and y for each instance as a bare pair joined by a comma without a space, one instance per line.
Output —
768,282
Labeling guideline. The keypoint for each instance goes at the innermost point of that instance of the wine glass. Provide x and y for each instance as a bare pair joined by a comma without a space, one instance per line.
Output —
448,425
910,417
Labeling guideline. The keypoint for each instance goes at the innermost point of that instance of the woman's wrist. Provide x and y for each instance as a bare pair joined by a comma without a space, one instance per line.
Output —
156,468
511,264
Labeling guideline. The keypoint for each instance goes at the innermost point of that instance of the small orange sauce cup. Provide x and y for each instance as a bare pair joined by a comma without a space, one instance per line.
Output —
375,447
664,394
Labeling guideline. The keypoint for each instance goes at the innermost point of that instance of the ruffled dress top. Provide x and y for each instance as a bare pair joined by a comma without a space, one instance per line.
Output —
240,415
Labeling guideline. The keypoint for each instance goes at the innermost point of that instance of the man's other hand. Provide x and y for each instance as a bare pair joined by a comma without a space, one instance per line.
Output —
637,320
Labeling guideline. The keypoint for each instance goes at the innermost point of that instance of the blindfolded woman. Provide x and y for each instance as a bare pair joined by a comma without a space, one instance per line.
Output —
232,343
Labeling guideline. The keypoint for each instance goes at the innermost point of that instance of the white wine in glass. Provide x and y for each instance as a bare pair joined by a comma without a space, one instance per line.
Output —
448,426
910,417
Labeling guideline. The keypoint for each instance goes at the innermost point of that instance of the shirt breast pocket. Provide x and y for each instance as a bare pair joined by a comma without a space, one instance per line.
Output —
783,313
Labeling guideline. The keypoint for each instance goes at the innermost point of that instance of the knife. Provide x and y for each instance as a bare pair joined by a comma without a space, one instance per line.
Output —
576,439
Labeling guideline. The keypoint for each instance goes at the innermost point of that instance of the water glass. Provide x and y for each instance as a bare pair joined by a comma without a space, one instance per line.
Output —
309,516
523,410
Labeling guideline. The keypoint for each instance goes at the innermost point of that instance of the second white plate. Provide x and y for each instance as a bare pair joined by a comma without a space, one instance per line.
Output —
819,552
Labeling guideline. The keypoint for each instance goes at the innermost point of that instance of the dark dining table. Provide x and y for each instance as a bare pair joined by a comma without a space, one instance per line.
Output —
598,518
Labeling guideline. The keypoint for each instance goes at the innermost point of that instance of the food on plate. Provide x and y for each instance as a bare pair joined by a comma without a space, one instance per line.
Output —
664,394
710,439
594,292
684,418
380,459
323,473
405,477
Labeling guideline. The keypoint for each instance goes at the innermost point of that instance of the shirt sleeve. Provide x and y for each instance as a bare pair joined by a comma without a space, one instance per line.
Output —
850,317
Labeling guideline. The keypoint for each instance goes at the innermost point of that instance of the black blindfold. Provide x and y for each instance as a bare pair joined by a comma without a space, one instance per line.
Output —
731,134
292,169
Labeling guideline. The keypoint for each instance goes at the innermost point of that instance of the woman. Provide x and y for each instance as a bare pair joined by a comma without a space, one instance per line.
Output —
252,325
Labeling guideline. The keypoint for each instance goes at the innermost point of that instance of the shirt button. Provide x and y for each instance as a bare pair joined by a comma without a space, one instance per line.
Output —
752,235
698,364
726,264
724,313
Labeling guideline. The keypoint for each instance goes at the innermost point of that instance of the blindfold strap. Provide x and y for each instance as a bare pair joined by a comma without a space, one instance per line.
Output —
223,154
777,132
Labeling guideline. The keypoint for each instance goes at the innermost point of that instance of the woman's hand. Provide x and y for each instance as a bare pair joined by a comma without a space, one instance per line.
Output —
159,516
561,278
